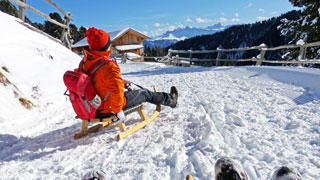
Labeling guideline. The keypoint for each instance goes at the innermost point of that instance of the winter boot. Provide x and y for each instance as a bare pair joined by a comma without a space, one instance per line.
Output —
227,169
174,93
95,175
286,173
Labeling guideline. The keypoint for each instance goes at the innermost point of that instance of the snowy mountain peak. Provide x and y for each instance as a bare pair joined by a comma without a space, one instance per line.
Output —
189,31
182,33
172,37
218,26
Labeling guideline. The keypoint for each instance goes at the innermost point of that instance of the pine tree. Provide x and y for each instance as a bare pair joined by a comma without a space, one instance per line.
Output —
153,51
149,51
145,49
74,33
82,31
7,7
53,29
307,27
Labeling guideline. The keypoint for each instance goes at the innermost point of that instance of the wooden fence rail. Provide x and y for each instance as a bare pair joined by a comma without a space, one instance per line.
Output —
65,37
176,60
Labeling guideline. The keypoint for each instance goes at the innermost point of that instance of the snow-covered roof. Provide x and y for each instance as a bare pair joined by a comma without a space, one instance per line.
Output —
126,30
113,36
81,43
131,56
128,47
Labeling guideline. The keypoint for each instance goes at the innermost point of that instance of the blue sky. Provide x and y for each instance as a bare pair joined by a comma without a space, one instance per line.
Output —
154,17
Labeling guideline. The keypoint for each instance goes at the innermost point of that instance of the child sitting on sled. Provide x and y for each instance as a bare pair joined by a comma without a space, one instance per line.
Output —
108,83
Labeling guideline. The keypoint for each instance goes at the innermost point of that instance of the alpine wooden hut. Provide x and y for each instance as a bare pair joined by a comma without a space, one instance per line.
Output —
127,41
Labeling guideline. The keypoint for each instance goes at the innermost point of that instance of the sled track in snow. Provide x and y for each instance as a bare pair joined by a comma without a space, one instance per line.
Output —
208,117
197,153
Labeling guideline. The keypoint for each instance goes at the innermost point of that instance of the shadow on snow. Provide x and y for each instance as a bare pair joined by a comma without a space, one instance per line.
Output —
308,81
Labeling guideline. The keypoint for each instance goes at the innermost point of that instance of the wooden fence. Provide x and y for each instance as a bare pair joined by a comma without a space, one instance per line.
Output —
65,37
186,61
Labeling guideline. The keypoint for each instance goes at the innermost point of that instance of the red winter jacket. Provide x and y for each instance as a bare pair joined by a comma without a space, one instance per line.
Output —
107,81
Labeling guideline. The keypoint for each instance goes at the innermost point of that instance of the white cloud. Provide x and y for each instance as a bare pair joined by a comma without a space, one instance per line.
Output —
180,26
223,19
249,5
274,12
157,32
160,31
235,20
164,28
188,20
157,25
236,14
261,10
171,28
200,20
261,18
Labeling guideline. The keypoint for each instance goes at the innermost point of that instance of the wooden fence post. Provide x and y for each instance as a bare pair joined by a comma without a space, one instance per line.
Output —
218,55
263,51
302,54
170,56
22,12
124,58
66,36
190,56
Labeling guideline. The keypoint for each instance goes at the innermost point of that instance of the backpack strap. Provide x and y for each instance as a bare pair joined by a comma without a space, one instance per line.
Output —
80,68
93,68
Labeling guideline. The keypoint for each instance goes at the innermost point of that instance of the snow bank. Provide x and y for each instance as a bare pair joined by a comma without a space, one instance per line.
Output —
36,65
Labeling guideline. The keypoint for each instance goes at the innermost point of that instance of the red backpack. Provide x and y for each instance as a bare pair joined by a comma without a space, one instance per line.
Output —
84,98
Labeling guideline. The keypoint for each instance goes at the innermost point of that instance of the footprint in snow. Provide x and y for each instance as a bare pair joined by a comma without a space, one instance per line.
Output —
233,119
292,125
315,142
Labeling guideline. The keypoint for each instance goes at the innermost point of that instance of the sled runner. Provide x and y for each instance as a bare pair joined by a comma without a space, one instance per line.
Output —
105,120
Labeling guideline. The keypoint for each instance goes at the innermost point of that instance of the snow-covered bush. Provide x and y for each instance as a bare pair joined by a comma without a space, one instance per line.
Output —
306,28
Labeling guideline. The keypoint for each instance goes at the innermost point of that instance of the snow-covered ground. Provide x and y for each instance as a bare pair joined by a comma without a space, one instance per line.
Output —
263,117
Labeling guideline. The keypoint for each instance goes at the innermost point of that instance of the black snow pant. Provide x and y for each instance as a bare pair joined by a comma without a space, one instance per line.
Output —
136,97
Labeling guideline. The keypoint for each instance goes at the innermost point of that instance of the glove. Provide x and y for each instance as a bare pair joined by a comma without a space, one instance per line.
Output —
96,101
127,84
95,174
121,117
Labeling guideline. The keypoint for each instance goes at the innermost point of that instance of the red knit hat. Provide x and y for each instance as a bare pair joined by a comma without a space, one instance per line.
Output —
97,39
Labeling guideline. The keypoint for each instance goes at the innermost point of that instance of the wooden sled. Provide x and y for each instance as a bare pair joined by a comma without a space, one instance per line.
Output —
105,120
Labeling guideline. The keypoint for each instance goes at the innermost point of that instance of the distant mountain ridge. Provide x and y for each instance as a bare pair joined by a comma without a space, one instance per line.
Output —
171,37
188,31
